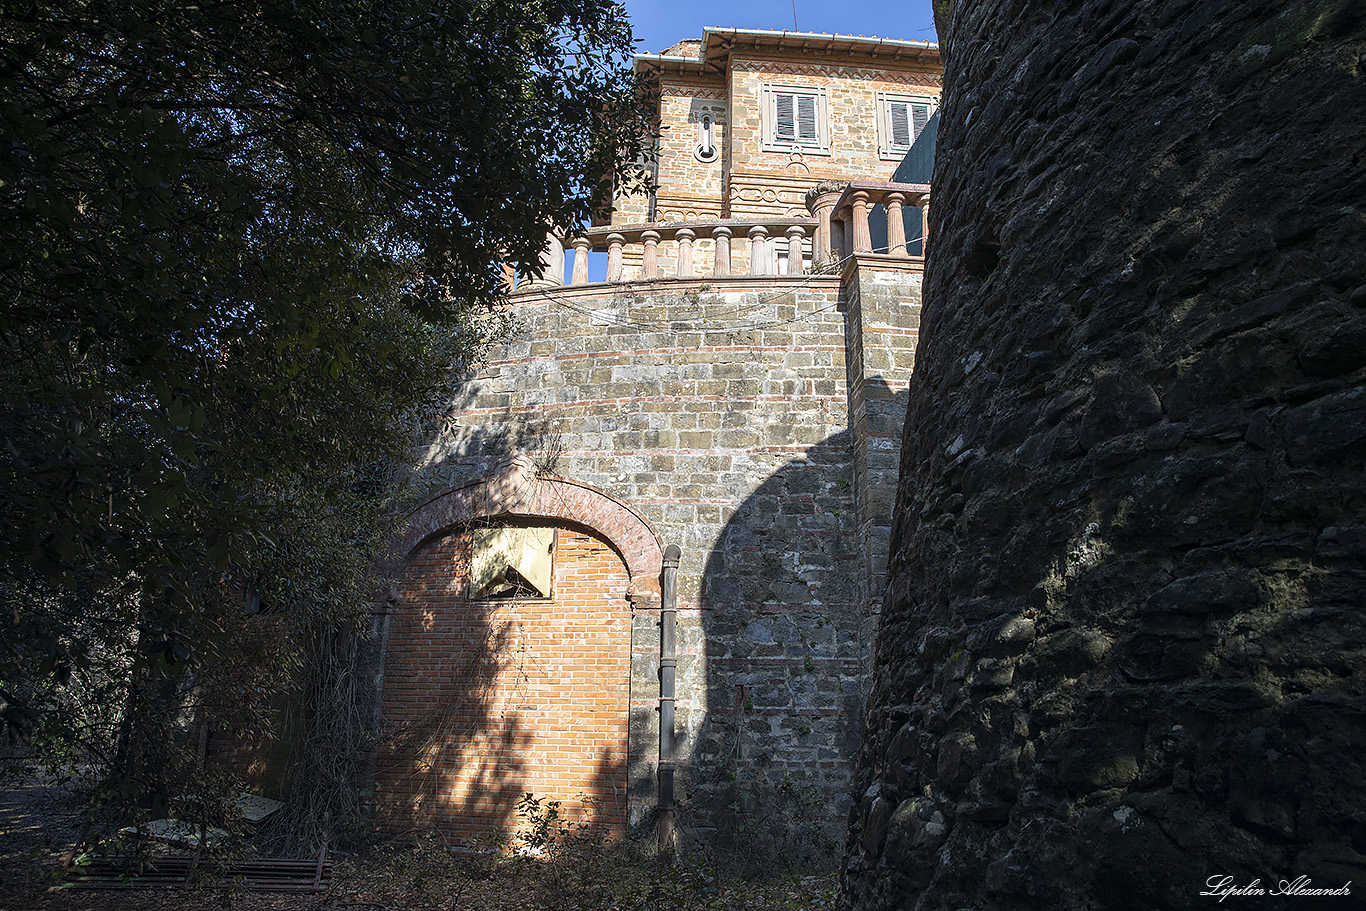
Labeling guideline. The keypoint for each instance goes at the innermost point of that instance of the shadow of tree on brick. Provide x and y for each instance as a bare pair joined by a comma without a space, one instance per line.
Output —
785,647
450,756
481,710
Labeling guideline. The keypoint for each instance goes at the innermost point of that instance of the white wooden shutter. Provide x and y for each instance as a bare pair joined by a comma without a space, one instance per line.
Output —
901,124
806,119
784,123
920,115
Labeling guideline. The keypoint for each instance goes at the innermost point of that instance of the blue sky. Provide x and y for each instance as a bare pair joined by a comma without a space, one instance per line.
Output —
660,23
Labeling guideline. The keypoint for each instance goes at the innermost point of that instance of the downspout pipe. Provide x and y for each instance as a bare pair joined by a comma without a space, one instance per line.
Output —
668,666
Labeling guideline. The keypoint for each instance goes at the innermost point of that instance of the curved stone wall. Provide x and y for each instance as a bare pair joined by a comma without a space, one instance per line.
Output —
1123,644
718,412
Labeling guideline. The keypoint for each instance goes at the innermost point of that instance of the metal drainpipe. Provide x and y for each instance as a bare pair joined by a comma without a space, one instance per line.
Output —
668,664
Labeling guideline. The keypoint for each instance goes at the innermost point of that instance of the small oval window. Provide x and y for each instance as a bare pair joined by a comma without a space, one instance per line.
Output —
706,142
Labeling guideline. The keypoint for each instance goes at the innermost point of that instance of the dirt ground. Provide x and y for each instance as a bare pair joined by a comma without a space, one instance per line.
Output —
38,825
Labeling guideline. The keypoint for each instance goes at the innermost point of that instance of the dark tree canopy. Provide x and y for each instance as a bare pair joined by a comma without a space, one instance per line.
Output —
241,244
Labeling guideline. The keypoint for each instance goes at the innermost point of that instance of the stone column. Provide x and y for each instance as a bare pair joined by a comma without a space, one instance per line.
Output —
685,237
820,202
614,243
863,241
650,264
924,223
896,225
722,264
795,235
581,248
758,264
839,240
552,264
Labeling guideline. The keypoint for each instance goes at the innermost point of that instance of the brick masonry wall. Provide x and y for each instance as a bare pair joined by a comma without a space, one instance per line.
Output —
753,423
882,298
690,189
486,701
1123,649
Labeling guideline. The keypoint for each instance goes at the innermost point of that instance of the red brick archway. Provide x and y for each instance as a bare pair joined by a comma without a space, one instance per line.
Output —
484,701
514,489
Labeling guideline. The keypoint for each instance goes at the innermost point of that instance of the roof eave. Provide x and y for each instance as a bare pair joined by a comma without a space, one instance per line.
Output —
723,39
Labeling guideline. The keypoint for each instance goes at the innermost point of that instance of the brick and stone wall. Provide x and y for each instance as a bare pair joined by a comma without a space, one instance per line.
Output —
750,420
719,412
761,182
1123,649
689,189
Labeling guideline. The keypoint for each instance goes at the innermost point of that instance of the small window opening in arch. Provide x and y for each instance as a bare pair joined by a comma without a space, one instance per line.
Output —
511,562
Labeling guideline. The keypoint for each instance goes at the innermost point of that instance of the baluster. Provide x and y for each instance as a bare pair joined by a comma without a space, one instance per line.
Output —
795,235
896,224
924,223
685,237
650,260
581,247
721,265
614,242
757,250
863,240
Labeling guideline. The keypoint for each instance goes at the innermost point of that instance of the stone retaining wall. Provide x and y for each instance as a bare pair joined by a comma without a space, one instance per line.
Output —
718,411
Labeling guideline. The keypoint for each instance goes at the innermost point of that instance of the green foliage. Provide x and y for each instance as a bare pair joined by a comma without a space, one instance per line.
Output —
241,246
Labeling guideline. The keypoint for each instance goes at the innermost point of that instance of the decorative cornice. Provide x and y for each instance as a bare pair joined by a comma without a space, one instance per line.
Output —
686,90
922,78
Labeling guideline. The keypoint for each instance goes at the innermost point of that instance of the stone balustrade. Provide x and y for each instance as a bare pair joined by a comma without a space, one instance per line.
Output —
776,246
842,210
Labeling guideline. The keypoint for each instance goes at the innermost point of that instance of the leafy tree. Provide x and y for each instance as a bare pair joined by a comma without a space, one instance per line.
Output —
241,246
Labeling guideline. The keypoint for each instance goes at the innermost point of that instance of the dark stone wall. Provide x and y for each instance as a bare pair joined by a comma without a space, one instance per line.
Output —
1123,643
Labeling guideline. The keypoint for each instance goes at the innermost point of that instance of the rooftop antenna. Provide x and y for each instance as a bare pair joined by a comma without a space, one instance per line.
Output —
794,16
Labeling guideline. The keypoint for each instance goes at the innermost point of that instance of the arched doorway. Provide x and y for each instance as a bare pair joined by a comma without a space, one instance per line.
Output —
508,655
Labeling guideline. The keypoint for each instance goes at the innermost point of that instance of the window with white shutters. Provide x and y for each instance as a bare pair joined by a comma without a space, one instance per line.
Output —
900,121
795,119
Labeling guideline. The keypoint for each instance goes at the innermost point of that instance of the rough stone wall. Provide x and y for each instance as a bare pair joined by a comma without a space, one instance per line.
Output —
882,324
485,701
1122,650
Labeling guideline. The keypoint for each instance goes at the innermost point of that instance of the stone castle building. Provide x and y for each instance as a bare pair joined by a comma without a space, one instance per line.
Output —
727,402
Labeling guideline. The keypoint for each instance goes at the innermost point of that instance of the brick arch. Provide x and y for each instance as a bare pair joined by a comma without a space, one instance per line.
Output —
513,488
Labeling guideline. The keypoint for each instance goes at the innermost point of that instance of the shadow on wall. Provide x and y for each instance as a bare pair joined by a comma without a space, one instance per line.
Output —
474,698
785,642
461,453
456,727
